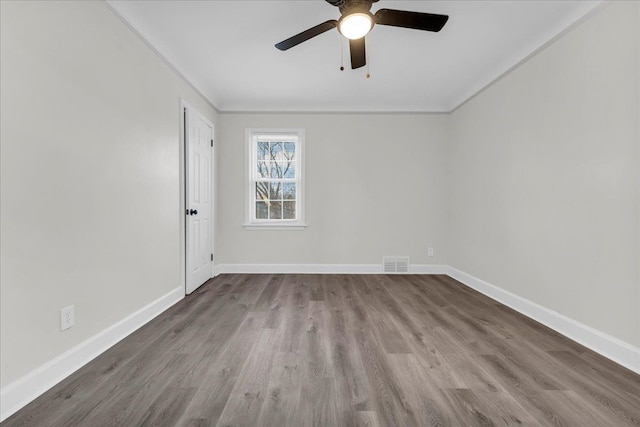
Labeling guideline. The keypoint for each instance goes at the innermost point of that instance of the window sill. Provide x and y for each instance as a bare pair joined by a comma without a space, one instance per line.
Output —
275,227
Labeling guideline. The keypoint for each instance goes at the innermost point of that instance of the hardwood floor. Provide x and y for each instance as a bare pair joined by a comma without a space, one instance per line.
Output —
341,350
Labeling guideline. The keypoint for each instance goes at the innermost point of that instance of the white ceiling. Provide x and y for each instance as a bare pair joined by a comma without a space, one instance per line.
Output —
226,50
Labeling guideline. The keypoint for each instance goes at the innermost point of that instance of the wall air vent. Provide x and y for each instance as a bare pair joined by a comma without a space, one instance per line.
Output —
395,264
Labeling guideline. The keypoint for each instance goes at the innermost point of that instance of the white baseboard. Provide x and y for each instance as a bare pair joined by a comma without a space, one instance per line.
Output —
19,393
610,347
320,269
216,270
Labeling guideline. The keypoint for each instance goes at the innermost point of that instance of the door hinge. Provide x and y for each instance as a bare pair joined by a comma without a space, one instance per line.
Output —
211,257
212,142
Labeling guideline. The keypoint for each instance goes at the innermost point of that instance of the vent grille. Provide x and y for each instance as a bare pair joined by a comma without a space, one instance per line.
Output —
398,264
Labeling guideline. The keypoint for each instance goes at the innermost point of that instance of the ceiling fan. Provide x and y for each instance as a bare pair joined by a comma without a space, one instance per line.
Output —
356,21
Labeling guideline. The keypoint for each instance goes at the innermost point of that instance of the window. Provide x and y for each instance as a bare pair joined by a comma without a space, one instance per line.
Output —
275,165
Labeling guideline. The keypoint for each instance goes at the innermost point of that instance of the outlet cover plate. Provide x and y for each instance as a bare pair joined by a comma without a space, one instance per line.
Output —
67,318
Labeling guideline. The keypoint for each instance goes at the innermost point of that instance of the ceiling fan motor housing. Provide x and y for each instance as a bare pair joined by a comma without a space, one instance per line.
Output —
349,6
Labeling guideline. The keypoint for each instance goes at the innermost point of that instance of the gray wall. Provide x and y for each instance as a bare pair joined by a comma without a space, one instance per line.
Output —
90,176
544,185
375,185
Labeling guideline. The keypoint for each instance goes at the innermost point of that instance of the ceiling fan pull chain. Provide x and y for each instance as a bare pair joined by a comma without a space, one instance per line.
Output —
366,43
342,39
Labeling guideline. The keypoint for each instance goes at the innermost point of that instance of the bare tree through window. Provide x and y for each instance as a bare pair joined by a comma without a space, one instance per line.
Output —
276,180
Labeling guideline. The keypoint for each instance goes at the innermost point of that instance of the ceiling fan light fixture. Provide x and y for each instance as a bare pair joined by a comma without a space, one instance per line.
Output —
355,25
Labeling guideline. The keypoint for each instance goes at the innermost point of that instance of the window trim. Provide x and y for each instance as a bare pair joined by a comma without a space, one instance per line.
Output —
250,222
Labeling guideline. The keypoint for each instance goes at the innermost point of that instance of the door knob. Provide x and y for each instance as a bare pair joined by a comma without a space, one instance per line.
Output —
193,212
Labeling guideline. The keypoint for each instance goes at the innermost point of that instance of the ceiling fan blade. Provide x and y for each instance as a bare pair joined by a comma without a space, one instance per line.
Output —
306,35
358,53
415,20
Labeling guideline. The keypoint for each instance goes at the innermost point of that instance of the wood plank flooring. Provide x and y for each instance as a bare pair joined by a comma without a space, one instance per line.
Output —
341,350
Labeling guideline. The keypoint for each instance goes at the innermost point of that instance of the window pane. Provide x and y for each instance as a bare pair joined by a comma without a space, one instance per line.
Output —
289,210
276,170
263,150
263,169
262,191
289,150
275,210
275,150
276,191
289,190
289,170
261,210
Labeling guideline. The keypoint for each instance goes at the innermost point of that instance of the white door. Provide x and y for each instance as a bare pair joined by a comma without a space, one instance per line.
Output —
198,203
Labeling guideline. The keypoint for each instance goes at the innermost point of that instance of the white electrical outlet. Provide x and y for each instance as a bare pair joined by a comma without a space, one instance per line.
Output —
67,318
430,252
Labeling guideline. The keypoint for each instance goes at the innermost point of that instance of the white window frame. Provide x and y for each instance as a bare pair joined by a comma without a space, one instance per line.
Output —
289,135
